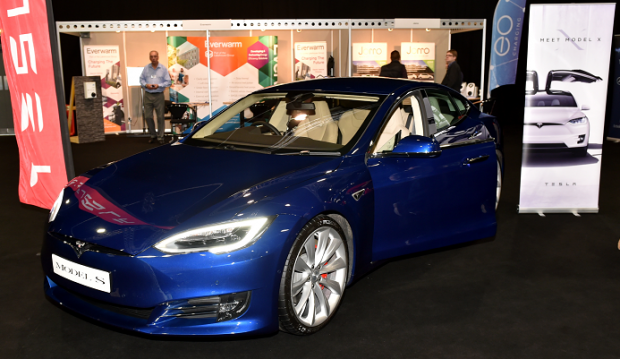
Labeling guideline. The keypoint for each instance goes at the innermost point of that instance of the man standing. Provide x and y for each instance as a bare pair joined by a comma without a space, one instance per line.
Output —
154,79
454,76
394,69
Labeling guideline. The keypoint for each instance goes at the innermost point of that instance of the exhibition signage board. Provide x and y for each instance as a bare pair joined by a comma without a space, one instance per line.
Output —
368,57
419,60
565,98
30,73
104,61
239,66
310,60
505,41
613,132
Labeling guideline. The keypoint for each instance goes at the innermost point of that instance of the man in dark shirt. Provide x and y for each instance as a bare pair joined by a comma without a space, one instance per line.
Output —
454,76
394,69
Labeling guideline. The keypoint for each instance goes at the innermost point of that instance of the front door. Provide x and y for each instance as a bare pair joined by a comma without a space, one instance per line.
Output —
430,202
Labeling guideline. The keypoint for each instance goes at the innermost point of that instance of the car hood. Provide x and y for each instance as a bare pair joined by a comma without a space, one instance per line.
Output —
551,114
133,203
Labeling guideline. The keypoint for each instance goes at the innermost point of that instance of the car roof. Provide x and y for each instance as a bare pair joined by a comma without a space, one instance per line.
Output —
362,85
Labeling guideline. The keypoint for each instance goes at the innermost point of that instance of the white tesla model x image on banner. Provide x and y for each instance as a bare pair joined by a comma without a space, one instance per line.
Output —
553,119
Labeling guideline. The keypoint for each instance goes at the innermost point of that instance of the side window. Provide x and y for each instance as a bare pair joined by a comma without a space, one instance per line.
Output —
443,109
405,120
460,104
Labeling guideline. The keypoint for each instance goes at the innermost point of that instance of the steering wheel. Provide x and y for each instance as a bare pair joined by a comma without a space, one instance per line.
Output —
268,126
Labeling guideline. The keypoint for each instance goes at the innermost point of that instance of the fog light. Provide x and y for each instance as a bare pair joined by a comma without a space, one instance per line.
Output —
222,307
581,138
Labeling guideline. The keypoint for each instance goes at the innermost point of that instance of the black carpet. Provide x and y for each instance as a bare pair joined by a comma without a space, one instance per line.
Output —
543,287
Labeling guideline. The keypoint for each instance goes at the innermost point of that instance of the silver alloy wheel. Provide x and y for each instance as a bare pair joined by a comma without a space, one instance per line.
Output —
498,190
319,276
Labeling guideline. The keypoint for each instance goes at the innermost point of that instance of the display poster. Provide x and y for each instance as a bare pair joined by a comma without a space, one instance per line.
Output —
310,60
565,97
104,61
613,132
29,70
505,41
239,66
368,57
419,60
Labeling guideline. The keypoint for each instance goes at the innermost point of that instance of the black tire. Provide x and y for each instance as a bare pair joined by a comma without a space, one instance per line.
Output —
301,324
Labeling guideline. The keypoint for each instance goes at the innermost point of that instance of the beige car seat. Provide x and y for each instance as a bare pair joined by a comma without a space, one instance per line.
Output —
320,126
350,122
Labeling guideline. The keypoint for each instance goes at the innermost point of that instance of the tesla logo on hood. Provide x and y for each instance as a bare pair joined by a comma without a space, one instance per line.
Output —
80,247
539,124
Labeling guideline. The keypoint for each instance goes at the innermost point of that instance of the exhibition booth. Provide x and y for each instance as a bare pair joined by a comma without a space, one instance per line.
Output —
247,55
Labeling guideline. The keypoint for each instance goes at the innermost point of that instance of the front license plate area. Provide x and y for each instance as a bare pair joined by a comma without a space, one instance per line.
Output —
87,276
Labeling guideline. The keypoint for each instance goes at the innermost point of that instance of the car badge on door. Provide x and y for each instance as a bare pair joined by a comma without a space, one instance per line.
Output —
357,195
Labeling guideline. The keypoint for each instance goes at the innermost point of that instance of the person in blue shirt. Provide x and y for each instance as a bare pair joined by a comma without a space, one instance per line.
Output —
154,80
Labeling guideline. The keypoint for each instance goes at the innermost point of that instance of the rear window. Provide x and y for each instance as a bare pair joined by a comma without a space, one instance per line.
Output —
545,100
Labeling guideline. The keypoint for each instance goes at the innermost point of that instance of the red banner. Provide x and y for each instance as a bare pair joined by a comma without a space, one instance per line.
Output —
30,74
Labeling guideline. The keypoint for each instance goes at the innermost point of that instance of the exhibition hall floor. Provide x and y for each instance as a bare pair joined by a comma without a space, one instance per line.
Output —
543,287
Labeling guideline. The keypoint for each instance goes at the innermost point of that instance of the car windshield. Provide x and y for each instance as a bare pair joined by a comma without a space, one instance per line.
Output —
546,100
293,123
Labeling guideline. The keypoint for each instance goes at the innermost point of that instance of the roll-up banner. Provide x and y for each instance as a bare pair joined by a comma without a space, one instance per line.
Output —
613,131
310,60
29,66
419,60
239,66
565,96
506,39
104,61
368,57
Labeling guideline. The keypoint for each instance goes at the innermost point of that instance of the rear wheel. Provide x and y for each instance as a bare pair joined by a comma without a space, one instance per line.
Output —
314,277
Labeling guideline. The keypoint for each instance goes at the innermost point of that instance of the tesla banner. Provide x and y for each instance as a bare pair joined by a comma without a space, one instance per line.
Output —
239,66
104,61
30,73
566,90
507,29
613,132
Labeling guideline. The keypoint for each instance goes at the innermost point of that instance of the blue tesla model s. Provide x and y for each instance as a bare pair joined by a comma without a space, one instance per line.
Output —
261,217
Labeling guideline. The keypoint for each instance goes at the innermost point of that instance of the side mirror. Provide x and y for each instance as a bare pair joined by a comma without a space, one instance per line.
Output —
417,146
585,107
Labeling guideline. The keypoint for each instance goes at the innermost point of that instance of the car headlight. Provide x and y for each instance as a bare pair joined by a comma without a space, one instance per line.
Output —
579,121
217,238
56,206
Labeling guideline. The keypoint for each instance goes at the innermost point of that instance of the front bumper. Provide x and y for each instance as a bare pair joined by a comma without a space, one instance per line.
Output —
145,287
556,136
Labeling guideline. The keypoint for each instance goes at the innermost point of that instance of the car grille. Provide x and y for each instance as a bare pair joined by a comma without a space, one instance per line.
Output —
142,313
539,125
544,146
91,247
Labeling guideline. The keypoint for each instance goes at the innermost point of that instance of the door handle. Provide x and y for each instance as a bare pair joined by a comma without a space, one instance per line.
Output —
475,160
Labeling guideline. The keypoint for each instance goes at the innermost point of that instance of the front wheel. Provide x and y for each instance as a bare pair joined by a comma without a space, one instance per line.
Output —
314,277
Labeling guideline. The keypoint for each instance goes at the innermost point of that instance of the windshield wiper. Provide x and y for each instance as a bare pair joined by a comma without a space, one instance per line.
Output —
309,153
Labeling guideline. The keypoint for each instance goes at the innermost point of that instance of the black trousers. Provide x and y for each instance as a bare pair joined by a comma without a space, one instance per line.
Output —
154,101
